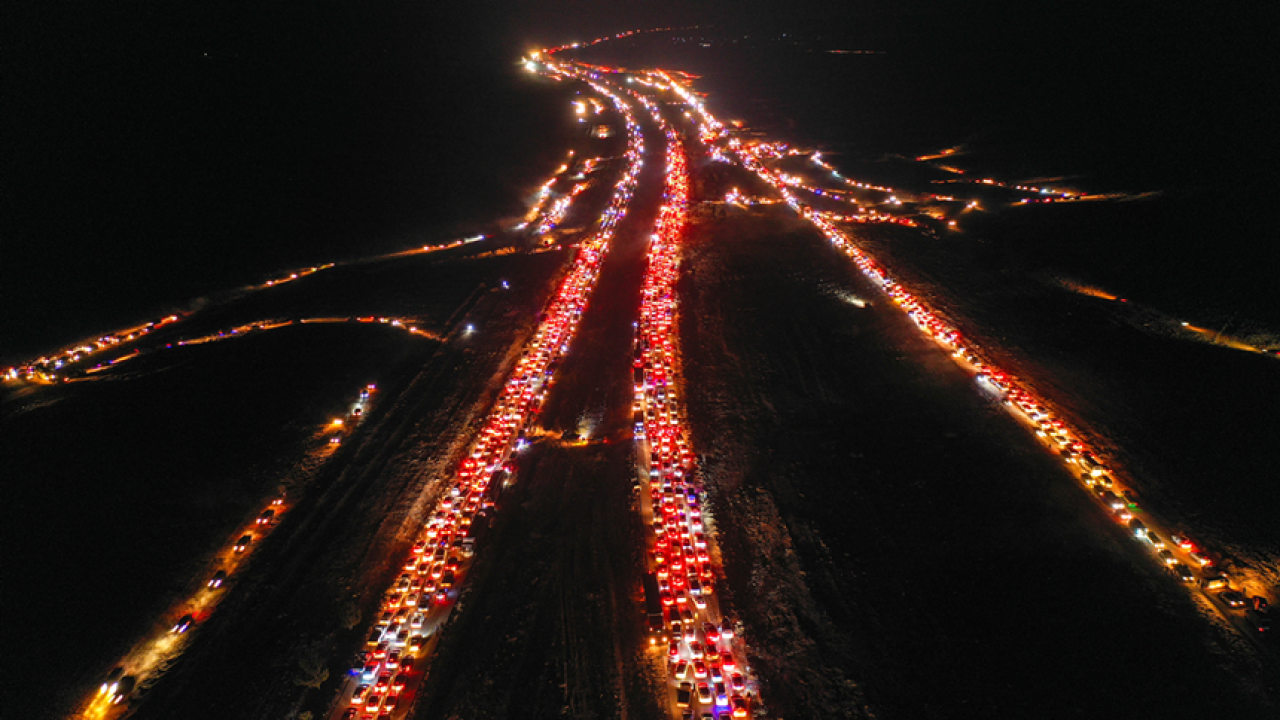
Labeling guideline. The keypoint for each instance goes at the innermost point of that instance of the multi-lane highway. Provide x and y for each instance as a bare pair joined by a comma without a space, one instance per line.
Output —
697,645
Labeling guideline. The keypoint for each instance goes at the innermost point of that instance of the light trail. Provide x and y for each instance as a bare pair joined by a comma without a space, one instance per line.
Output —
422,598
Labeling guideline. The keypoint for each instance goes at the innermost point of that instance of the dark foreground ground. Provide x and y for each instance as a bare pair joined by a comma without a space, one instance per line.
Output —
898,547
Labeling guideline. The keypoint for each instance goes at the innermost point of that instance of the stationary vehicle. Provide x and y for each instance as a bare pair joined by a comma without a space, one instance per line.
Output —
124,689
183,624
1214,581
704,693
1183,572
113,680
739,704
1233,599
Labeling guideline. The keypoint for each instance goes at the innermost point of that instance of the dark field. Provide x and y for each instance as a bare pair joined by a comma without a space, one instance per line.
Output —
897,546
177,449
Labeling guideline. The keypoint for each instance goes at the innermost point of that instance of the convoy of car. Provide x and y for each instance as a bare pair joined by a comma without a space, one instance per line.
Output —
423,594
699,653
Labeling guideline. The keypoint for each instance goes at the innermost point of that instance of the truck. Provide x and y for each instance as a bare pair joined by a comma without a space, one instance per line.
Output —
653,606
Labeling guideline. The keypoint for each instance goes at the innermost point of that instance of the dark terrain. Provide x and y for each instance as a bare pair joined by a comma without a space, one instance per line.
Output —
896,545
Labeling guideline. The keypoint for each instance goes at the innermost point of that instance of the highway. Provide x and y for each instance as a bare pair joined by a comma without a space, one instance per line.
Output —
525,413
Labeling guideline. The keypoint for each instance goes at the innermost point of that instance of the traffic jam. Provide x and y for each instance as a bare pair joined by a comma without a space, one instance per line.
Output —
384,678
704,656
155,652
1181,555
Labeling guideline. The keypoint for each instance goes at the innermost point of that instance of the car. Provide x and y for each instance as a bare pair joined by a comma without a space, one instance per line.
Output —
1233,599
737,682
113,679
1183,572
393,660
359,694
726,659
704,694
717,674
417,620
397,683
373,701
673,650
123,689
1156,541
682,669
266,517
684,694
1214,581
184,624
1201,559
695,650
1183,542
390,703
739,704
722,695
350,713
370,671
384,681
726,630
1167,557
406,665
217,580
243,543
699,669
